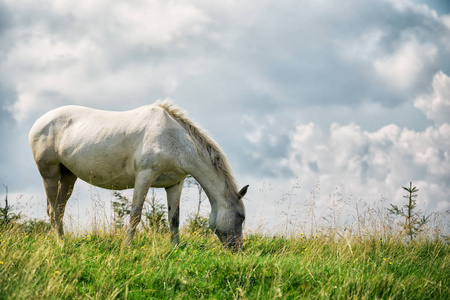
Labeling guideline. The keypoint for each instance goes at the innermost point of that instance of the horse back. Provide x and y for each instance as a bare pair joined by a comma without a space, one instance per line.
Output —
98,146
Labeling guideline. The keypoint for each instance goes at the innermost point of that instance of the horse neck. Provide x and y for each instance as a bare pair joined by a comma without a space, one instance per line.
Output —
212,183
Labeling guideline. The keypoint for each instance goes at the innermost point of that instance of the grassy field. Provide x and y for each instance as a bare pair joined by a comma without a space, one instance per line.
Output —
94,266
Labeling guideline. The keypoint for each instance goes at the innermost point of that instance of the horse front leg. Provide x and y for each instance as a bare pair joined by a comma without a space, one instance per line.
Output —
173,205
141,186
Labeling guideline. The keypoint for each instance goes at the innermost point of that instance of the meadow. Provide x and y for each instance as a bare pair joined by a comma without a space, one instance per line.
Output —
33,265
374,252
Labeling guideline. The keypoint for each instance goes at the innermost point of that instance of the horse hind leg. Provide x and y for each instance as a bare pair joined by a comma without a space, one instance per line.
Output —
59,184
65,188
50,176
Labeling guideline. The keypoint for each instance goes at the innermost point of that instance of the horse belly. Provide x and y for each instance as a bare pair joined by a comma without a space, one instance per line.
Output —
105,167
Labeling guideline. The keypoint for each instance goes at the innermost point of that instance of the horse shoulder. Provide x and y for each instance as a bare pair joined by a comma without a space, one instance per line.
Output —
166,142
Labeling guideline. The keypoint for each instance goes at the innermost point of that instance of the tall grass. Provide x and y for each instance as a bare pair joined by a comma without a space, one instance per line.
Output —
327,256
299,214
95,266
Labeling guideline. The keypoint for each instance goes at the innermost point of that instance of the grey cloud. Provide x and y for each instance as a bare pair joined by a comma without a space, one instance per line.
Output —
7,122
281,52
288,62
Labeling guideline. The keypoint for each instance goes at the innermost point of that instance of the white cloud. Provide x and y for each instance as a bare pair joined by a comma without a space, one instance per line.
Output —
42,64
369,164
99,49
403,68
157,23
436,105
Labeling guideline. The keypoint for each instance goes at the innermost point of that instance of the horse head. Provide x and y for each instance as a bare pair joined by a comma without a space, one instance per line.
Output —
227,221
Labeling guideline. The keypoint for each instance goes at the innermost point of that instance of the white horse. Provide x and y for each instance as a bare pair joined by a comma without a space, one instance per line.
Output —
151,146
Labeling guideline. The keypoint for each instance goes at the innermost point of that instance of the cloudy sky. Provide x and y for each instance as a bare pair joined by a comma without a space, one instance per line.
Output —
349,96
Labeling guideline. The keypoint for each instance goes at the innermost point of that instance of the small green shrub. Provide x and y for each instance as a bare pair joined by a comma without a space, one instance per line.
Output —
36,226
7,218
199,224
122,209
155,215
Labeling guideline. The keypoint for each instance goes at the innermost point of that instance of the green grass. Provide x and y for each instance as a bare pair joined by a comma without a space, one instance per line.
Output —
35,266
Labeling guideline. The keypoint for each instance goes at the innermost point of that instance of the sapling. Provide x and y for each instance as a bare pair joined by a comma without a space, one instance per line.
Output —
155,214
6,216
414,221
122,209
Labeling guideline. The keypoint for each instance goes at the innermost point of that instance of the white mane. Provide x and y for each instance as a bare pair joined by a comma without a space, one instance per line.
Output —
206,146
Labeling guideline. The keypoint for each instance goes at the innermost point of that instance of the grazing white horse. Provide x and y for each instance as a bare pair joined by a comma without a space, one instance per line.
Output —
151,146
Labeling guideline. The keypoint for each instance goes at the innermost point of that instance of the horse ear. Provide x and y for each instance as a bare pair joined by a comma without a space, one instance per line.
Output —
242,192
